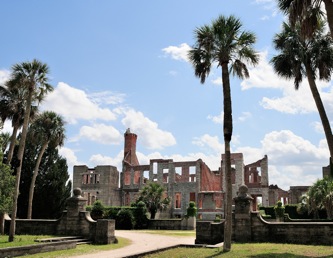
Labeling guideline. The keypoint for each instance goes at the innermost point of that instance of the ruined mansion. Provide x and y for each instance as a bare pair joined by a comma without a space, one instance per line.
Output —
183,181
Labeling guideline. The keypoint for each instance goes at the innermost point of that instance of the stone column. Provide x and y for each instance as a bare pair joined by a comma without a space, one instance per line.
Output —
242,222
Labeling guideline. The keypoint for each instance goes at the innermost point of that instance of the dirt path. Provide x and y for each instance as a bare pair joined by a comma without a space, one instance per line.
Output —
141,242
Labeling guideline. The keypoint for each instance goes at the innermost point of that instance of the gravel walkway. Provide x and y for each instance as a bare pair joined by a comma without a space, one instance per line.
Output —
141,242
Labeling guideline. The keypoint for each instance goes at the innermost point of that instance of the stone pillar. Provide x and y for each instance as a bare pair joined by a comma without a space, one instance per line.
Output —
242,222
105,232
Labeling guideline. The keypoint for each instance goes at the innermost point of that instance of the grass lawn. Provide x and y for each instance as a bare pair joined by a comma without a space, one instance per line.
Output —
21,240
254,250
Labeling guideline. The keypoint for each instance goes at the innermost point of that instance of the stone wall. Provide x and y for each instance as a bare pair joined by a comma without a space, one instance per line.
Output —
249,226
75,221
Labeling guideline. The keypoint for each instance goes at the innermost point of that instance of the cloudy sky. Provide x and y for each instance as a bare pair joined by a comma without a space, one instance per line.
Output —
123,64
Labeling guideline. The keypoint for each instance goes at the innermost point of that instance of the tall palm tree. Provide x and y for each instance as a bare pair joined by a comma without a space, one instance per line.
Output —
31,76
48,130
306,57
12,106
307,12
225,44
320,195
152,196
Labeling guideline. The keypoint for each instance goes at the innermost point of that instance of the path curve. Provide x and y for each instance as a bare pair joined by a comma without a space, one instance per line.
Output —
141,242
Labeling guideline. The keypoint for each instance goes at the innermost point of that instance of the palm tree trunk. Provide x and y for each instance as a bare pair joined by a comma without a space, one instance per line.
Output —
12,145
19,168
33,180
227,132
329,14
322,113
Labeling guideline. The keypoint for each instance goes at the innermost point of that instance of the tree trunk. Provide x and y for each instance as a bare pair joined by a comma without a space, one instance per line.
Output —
2,223
19,168
33,180
227,131
12,145
329,14
322,113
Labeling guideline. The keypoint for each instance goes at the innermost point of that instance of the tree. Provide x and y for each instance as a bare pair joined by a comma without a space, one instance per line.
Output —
7,181
307,13
320,195
224,43
52,187
5,138
47,129
12,106
152,196
31,76
306,57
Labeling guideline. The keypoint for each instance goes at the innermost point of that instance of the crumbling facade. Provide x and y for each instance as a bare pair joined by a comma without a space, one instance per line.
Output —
183,181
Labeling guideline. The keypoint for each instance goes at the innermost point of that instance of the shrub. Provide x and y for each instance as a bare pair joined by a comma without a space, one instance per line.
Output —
125,219
97,210
279,210
140,215
191,210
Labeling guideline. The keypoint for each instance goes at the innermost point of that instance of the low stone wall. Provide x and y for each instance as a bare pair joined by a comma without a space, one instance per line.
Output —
36,227
208,232
172,224
249,226
34,249
319,233
75,221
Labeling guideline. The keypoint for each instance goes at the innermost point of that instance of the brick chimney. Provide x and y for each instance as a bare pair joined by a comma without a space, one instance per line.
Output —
130,148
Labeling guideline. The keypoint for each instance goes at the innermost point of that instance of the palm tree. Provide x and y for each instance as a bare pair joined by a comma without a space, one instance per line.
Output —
307,12
48,130
320,196
152,196
4,141
224,43
31,76
12,106
310,57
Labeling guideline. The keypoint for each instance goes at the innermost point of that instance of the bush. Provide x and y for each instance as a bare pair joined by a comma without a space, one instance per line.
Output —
191,210
269,211
279,210
97,210
125,219
140,215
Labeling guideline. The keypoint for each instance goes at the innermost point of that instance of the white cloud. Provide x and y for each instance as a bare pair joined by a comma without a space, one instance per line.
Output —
150,135
107,97
212,142
4,76
245,116
74,104
100,133
99,159
178,52
69,155
217,119
292,101
286,148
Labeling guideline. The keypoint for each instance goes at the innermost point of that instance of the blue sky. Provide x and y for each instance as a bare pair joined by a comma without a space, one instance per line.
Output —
122,64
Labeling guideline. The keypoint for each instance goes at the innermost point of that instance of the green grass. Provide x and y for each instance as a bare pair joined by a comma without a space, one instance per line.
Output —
21,240
257,250
82,249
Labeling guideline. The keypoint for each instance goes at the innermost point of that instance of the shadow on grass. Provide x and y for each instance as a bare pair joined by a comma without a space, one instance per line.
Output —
271,255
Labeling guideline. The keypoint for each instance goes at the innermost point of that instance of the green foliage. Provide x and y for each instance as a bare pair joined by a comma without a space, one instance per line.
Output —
125,219
140,215
152,196
7,183
269,211
191,210
97,210
279,210
52,187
